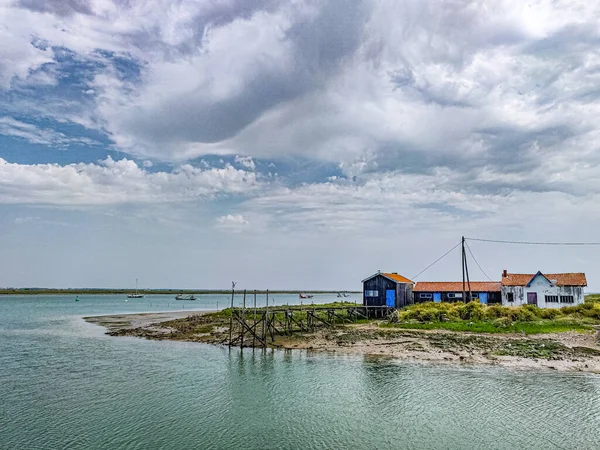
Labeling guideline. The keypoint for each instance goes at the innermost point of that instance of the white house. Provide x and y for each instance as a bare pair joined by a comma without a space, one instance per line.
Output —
550,290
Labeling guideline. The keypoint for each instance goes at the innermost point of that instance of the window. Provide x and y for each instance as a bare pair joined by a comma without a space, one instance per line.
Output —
424,295
551,298
371,293
510,297
455,295
567,299
474,294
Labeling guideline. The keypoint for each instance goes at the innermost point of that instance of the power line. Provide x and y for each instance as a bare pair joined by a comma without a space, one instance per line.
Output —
532,243
436,261
473,256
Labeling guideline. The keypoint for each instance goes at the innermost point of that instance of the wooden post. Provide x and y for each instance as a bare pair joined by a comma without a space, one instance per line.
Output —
267,315
231,317
243,331
254,335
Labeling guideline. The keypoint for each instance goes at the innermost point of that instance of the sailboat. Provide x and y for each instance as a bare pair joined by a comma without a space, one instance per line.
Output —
136,295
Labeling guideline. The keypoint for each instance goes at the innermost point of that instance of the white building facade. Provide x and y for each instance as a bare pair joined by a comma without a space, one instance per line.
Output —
543,290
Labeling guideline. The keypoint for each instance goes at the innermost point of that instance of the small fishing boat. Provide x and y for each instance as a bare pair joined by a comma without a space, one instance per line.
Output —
185,297
305,295
137,294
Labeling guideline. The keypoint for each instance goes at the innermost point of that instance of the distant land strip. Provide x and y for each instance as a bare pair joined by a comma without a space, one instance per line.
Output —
99,291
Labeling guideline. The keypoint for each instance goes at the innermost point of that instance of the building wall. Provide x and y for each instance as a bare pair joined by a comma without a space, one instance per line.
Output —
404,295
493,297
542,288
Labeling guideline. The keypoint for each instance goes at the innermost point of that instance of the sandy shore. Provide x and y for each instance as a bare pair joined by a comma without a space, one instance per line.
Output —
138,320
565,352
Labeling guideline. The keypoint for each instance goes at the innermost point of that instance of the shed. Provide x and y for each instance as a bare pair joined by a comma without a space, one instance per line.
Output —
487,292
387,289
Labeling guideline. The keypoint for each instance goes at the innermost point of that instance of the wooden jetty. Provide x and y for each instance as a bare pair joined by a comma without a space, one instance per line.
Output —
256,327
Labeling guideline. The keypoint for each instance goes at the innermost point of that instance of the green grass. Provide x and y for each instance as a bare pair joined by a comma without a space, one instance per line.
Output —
476,317
490,327
591,298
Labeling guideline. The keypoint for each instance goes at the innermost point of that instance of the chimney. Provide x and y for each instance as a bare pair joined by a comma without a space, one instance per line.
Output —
504,273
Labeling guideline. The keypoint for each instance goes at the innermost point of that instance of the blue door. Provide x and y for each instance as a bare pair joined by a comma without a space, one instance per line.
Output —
390,298
483,297
437,297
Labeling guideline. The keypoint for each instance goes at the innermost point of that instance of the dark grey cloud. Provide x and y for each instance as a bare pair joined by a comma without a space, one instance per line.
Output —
322,43
319,46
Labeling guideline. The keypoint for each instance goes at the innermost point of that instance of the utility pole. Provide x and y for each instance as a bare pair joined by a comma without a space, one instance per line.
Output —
465,270
462,253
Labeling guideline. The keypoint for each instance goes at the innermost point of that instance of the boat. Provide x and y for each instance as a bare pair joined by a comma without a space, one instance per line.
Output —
305,295
339,294
185,297
137,294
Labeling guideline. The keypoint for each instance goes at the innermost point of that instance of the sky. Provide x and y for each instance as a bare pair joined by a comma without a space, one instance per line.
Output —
295,145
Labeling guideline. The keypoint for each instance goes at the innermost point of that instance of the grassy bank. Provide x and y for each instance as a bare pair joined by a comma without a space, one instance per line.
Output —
475,317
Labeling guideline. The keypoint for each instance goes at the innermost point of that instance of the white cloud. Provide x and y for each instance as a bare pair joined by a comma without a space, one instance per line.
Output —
235,223
245,161
114,182
36,135
18,56
237,219
27,219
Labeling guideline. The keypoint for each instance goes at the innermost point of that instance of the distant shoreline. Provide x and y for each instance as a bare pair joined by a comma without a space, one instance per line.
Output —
83,291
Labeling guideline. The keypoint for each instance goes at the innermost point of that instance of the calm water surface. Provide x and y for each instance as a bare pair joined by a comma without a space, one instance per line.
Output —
65,385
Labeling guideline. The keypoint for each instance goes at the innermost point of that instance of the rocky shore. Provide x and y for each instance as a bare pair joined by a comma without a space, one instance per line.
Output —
569,351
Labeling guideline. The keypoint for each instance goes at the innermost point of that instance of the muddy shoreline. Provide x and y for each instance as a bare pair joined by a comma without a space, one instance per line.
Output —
565,352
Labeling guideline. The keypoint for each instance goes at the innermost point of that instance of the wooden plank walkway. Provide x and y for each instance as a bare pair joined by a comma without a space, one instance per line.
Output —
255,327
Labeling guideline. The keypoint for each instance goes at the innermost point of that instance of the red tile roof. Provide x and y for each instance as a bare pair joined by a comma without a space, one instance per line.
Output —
396,277
562,279
456,286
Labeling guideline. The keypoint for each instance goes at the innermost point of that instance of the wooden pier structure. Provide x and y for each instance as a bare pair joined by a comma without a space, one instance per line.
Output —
256,327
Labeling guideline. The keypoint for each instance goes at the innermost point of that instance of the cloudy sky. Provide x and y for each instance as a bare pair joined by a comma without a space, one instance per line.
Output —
297,144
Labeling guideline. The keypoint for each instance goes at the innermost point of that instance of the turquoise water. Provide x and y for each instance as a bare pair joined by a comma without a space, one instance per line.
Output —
66,385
